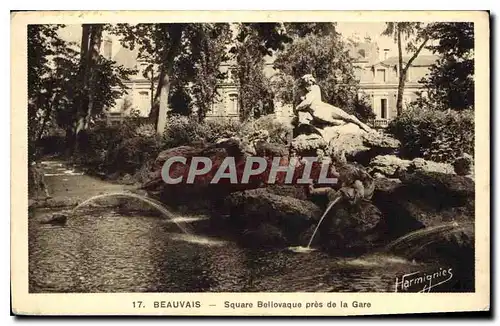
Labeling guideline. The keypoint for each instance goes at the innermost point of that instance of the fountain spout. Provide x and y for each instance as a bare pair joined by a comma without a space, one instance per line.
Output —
153,203
328,208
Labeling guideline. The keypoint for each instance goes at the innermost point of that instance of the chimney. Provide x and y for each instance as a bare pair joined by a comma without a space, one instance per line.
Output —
386,53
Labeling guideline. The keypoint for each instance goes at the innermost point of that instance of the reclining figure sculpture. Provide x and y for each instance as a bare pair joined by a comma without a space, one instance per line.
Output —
313,109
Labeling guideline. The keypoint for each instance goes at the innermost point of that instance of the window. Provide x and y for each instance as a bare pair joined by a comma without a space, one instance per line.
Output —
233,104
380,76
383,108
362,53
144,101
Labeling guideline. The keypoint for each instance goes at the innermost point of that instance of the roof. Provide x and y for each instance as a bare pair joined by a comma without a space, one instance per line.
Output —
421,60
366,47
126,57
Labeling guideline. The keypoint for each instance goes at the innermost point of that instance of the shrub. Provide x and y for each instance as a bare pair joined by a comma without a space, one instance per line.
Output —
125,148
95,144
182,130
52,143
221,129
279,132
132,153
121,148
440,136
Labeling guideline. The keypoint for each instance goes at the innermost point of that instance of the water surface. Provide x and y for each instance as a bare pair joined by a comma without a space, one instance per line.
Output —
111,252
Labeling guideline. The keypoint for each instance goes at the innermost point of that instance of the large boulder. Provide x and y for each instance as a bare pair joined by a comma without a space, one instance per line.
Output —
347,141
267,217
349,229
201,189
420,165
308,145
254,211
424,199
357,144
387,165
392,166
464,165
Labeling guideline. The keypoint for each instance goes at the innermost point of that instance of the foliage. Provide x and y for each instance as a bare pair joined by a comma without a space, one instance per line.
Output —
327,58
304,29
362,109
413,36
279,132
121,148
107,87
183,130
252,45
210,43
43,43
440,136
183,59
221,128
255,95
54,83
450,82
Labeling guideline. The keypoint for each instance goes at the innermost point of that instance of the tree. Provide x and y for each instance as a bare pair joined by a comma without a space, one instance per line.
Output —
450,83
55,91
43,44
328,60
159,45
210,42
89,54
304,29
415,36
177,52
255,41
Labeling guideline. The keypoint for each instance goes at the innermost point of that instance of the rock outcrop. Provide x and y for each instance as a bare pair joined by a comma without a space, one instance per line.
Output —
347,140
422,193
424,199
464,165
58,218
254,212
349,229
392,166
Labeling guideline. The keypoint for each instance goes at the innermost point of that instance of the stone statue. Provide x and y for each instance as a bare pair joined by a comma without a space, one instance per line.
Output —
313,110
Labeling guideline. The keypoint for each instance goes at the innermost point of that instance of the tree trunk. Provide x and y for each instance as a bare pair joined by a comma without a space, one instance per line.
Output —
404,70
94,48
83,78
159,112
55,99
163,105
153,114
402,74
152,89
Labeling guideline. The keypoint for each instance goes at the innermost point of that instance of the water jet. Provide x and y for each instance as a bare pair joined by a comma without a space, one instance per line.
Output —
153,203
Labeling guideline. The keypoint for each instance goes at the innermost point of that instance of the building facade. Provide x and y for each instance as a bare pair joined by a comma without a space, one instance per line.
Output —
138,97
376,71
227,104
378,76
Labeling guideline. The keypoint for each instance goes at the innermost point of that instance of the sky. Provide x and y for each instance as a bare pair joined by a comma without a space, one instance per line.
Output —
346,29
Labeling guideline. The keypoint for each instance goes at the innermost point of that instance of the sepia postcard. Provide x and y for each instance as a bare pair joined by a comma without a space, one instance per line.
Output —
250,163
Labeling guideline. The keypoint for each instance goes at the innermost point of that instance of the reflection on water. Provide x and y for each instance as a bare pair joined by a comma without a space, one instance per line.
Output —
107,252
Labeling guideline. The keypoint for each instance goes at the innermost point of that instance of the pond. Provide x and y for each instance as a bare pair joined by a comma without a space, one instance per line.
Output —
107,251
